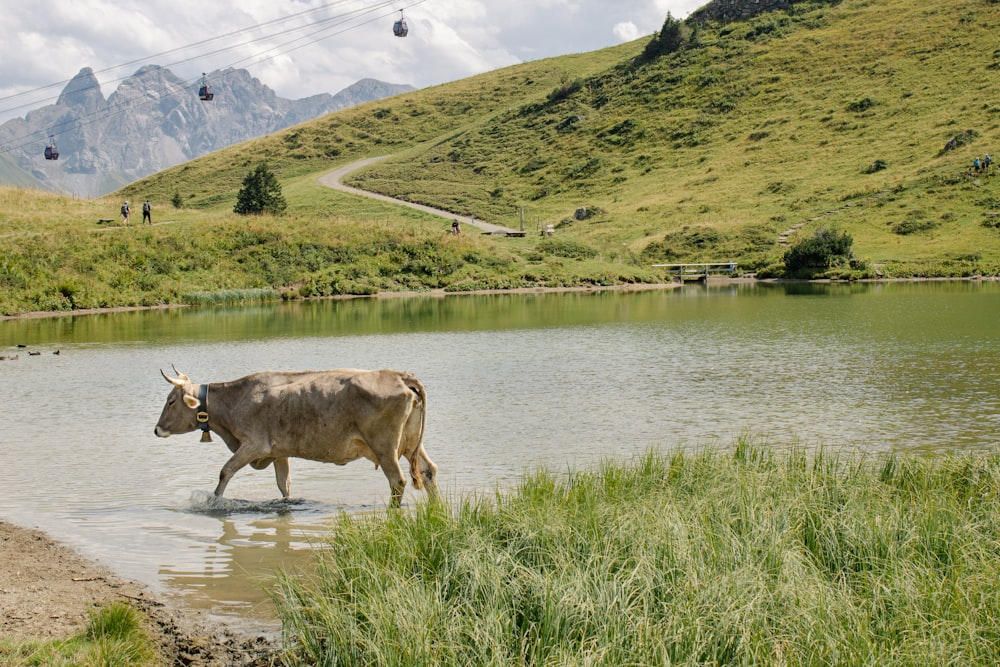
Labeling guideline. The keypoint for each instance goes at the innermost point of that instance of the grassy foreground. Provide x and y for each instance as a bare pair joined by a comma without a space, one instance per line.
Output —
114,637
745,556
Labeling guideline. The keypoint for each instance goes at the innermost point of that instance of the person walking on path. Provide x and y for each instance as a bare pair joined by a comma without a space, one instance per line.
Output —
125,212
147,212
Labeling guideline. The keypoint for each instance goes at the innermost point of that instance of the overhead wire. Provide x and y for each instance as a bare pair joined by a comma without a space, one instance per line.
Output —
337,21
144,59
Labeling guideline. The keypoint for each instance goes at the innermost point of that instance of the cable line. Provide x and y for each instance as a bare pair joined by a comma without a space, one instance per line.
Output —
62,84
281,49
198,56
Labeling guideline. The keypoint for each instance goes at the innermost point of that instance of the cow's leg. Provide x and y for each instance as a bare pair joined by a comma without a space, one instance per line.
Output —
423,471
282,476
393,473
428,470
242,457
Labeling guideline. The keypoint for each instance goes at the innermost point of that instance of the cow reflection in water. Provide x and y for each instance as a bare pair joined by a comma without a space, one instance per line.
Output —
333,416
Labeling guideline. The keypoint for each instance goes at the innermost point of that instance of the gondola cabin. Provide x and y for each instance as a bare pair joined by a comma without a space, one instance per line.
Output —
399,28
205,94
51,152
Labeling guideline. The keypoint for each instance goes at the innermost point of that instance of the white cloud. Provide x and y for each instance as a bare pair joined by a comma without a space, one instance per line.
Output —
49,41
626,31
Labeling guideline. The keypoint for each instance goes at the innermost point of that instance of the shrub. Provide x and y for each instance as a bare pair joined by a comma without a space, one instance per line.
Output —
825,249
861,105
877,165
913,225
565,91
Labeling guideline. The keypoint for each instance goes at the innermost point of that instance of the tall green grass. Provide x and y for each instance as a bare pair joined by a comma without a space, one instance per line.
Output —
744,556
115,636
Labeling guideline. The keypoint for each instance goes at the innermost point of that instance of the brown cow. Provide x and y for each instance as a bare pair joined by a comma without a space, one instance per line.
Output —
333,416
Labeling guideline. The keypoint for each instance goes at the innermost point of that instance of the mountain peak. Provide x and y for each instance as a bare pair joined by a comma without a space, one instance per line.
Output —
152,121
83,90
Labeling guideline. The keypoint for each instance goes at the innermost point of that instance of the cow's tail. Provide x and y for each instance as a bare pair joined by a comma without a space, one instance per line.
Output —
417,387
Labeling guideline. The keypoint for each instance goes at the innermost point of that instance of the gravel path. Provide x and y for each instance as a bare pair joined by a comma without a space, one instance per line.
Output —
334,180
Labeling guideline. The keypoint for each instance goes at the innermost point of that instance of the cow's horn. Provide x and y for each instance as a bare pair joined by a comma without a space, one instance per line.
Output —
180,375
173,381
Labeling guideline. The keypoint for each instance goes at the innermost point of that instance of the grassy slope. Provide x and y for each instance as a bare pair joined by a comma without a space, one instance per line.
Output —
753,133
707,154
752,129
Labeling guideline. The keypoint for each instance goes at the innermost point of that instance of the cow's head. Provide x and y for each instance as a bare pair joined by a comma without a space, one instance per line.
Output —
180,413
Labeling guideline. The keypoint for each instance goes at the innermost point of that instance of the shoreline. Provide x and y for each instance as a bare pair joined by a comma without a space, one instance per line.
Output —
49,589
442,293
434,293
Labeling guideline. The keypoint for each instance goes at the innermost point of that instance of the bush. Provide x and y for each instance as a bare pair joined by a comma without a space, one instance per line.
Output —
825,249
912,226
859,106
877,165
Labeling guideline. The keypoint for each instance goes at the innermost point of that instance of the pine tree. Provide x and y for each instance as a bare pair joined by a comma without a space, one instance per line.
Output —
261,193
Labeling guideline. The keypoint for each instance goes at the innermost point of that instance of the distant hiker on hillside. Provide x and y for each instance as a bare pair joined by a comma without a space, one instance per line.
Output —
147,212
987,161
125,212
455,229
976,164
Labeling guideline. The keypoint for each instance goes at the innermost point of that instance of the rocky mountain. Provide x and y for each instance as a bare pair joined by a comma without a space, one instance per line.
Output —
153,120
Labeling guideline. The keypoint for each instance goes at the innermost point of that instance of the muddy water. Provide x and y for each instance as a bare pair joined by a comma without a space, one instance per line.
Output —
514,381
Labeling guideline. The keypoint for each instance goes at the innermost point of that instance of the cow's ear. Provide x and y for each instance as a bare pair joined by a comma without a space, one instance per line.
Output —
191,401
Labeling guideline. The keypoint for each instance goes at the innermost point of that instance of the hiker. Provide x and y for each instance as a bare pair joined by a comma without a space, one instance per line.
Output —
987,161
976,164
147,212
125,212
455,229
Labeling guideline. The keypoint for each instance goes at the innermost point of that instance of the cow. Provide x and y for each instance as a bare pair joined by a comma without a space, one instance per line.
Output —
332,416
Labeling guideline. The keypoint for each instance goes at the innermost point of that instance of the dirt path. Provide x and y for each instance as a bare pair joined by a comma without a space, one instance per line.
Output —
334,179
47,590
783,237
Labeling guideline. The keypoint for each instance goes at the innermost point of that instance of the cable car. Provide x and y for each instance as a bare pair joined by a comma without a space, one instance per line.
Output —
204,93
399,28
51,152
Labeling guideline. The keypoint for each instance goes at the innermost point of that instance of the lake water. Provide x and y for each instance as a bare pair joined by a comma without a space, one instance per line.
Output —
514,382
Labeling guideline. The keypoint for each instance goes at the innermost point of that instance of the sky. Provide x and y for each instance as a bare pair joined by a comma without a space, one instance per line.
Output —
301,47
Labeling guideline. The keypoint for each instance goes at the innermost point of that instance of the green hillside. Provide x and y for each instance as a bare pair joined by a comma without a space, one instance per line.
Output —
719,148
749,138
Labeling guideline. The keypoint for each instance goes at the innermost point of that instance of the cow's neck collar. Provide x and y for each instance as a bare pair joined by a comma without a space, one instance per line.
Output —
202,414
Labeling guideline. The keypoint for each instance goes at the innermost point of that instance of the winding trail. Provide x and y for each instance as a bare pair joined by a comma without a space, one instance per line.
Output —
783,237
334,179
